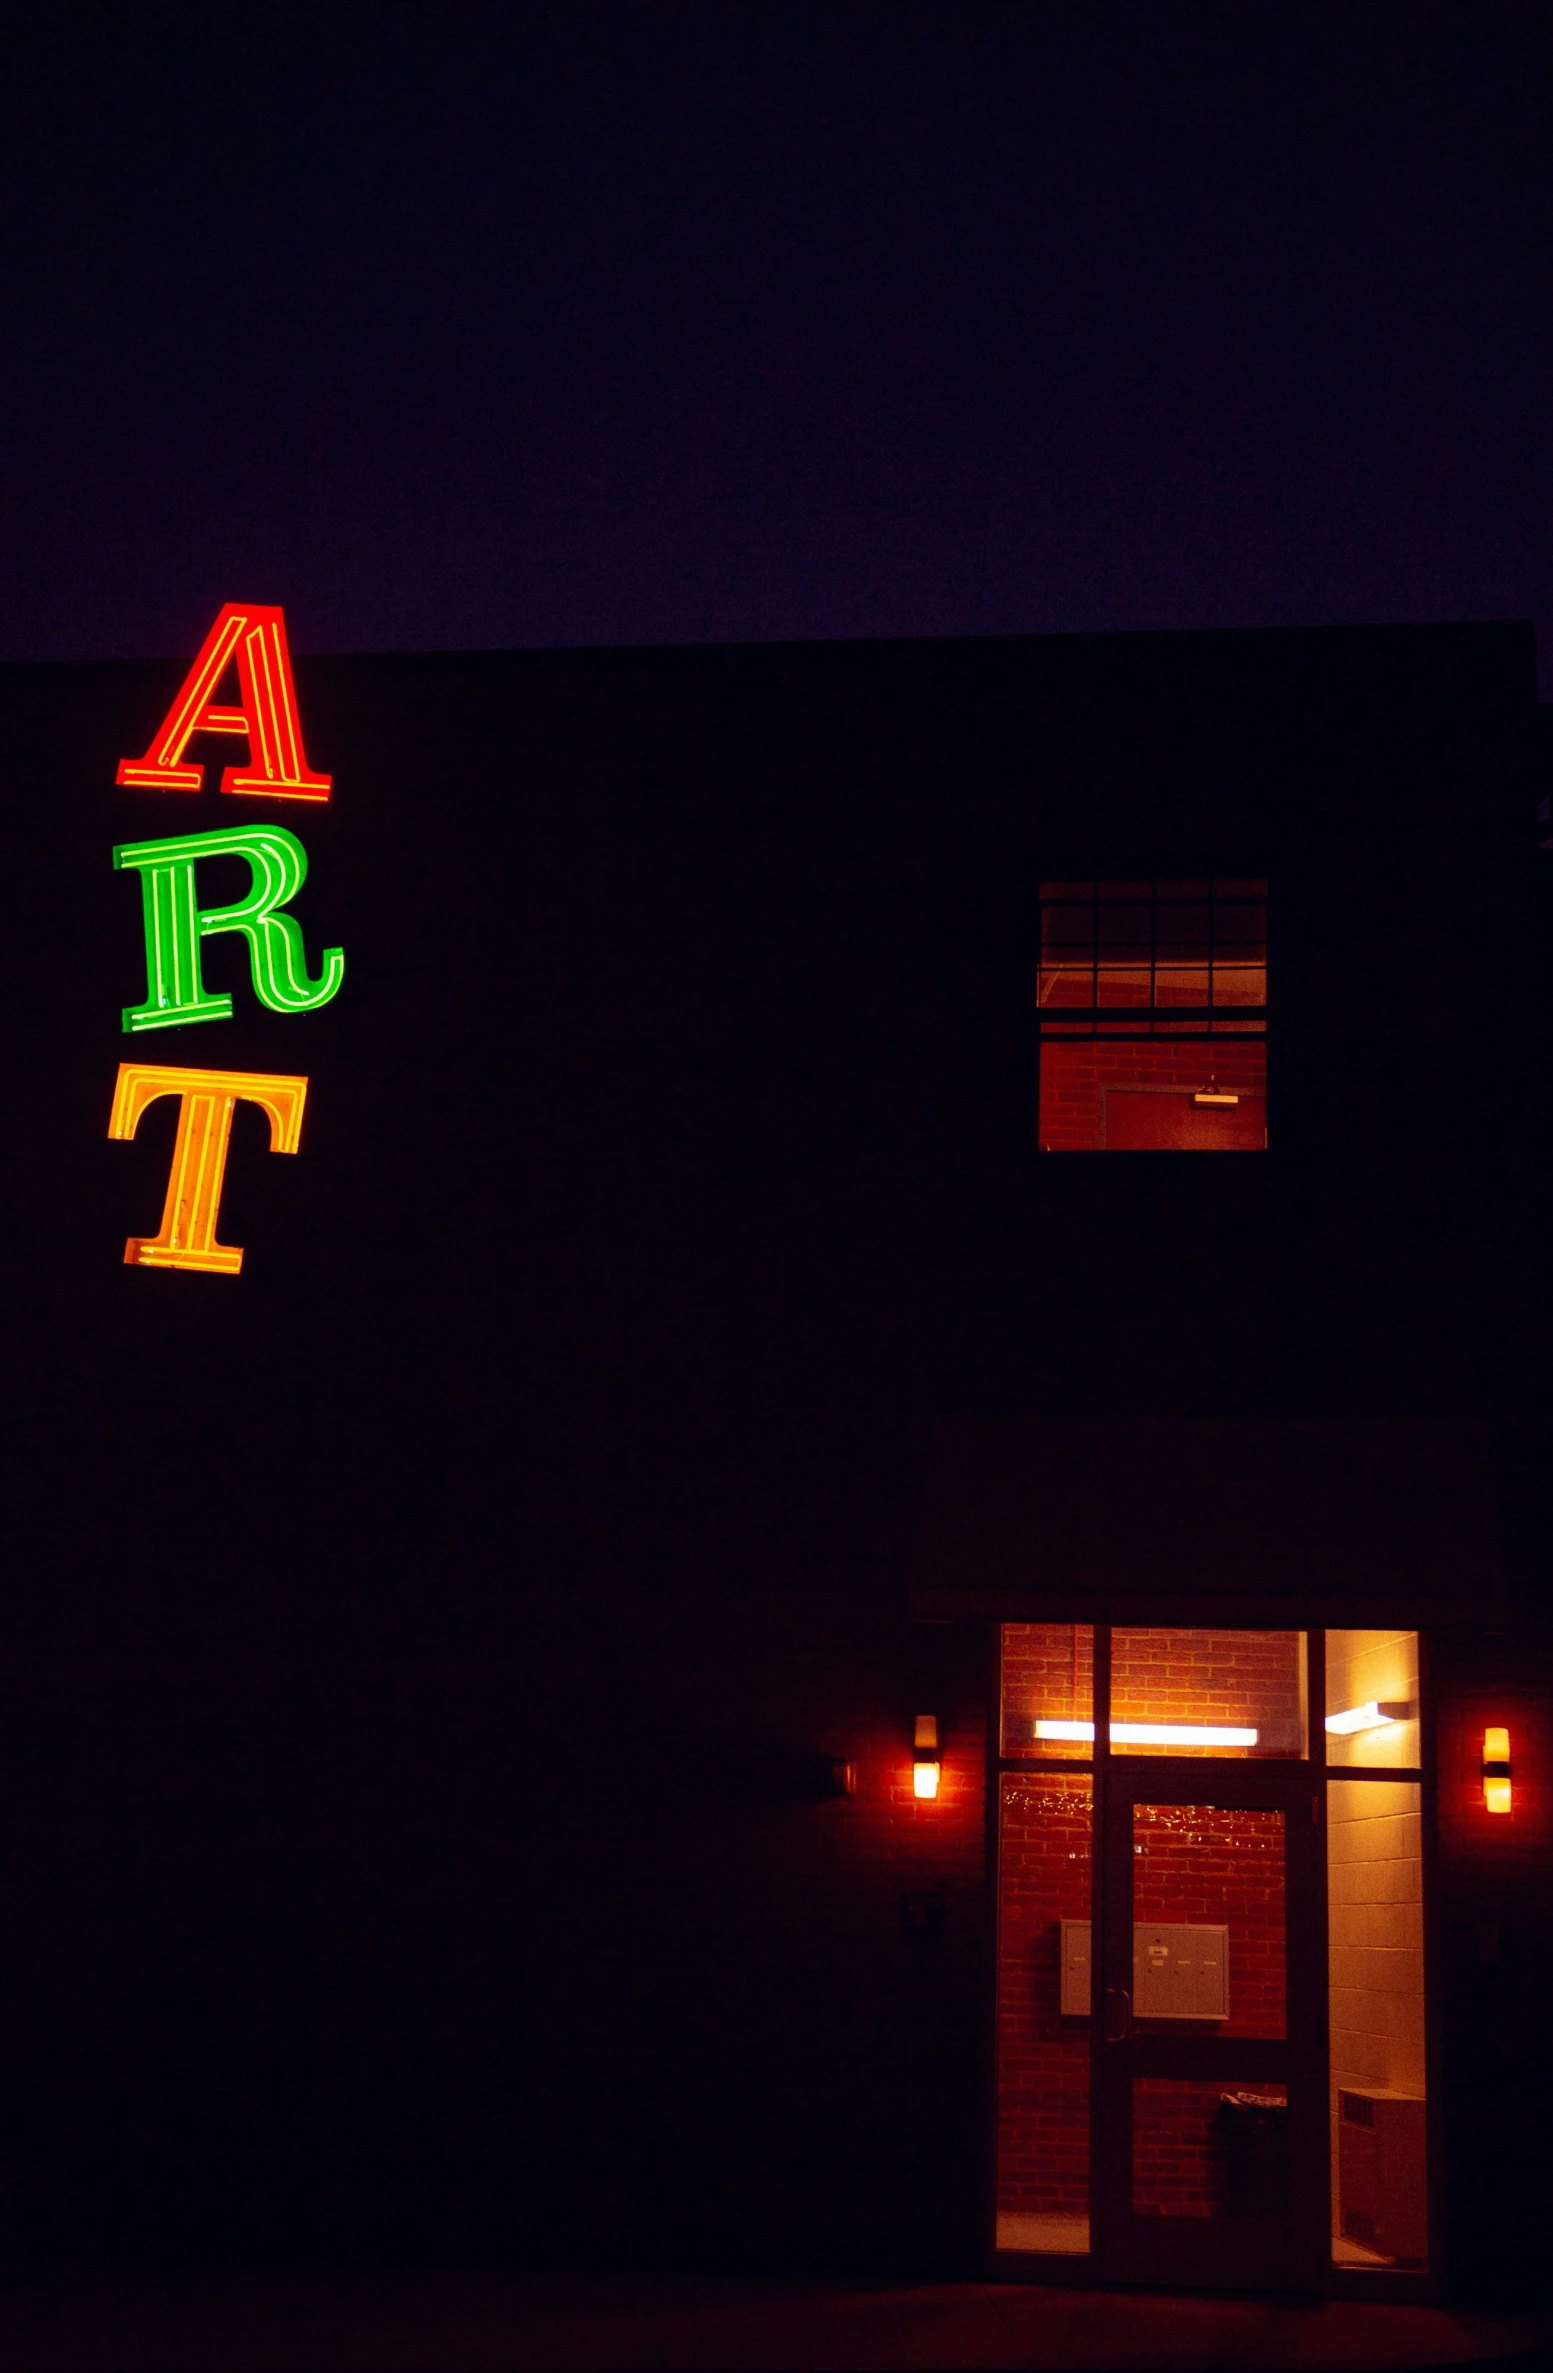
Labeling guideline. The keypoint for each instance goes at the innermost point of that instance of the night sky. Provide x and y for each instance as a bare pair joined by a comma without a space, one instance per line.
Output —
452,327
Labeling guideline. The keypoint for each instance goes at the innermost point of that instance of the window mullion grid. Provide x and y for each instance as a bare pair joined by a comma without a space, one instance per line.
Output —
1213,915
1044,1763
1372,1772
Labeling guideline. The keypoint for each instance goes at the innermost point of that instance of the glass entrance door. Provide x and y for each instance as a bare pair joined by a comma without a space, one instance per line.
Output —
1162,1990
1208,2065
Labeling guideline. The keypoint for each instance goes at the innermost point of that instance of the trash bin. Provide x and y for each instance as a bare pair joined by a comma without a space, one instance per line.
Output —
1255,2128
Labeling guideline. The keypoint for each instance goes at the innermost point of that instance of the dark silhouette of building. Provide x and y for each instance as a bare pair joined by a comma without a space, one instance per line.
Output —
463,1673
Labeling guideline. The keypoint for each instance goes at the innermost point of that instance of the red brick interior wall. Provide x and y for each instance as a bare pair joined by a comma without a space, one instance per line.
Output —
1242,1679
1179,2154
1247,1680
1074,1071
1048,1669
1044,1868
1197,1865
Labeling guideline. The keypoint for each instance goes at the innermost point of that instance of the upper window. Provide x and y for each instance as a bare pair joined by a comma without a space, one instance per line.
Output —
1153,1013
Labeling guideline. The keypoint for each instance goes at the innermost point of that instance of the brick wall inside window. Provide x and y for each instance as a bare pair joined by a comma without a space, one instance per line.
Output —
1180,2150
1074,1072
1048,1671
1199,1865
1241,1679
1196,1864
1044,1869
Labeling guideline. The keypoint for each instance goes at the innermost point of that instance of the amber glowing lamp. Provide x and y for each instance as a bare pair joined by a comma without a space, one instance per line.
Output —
1496,1770
924,1771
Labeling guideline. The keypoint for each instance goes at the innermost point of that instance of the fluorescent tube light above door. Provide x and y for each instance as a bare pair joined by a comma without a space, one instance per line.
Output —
1154,1734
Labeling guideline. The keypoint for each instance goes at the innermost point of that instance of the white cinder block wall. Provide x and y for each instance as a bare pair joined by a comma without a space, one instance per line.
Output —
1375,1878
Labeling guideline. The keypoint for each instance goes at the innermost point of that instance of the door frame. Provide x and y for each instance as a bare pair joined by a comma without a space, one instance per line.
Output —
1230,2253
1328,2279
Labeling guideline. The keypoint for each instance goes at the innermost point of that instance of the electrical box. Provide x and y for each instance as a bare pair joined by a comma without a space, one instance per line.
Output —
1180,1973
1077,1982
1381,2162
1177,1972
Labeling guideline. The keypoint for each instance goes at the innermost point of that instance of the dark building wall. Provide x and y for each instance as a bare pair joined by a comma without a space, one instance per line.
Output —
1495,1890
422,1650
552,1952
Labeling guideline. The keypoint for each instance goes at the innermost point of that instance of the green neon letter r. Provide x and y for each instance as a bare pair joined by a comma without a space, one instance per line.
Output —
176,923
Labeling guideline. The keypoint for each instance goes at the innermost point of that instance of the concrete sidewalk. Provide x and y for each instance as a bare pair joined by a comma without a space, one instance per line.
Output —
99,2322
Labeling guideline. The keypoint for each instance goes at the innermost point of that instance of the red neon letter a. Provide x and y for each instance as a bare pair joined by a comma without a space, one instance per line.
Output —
255,636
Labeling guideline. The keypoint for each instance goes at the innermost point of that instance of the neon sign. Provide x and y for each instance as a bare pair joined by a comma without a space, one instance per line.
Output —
176,923
255,638
187,1236
252,638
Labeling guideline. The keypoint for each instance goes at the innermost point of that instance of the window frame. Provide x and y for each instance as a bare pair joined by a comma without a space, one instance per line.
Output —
1151,1019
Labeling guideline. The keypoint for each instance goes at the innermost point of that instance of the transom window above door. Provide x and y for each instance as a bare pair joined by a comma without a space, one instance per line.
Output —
1152,998
1173,1692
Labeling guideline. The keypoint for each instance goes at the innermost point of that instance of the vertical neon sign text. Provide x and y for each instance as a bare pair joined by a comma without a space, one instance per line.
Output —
251,637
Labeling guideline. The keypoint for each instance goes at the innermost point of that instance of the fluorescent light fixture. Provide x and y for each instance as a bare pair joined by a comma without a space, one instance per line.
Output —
1154,1734
1370,1716
1212,1096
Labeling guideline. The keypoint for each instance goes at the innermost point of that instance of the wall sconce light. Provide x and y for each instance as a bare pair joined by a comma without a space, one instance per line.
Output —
924,1771
1496,1770
1371,1715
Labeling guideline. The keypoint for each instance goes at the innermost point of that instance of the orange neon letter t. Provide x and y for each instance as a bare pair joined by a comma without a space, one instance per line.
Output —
254,635
187,1239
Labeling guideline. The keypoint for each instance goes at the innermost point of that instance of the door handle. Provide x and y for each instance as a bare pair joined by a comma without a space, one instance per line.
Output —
1124,2029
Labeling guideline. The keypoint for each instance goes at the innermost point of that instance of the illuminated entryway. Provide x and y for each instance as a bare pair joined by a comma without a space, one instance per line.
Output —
1210,2006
